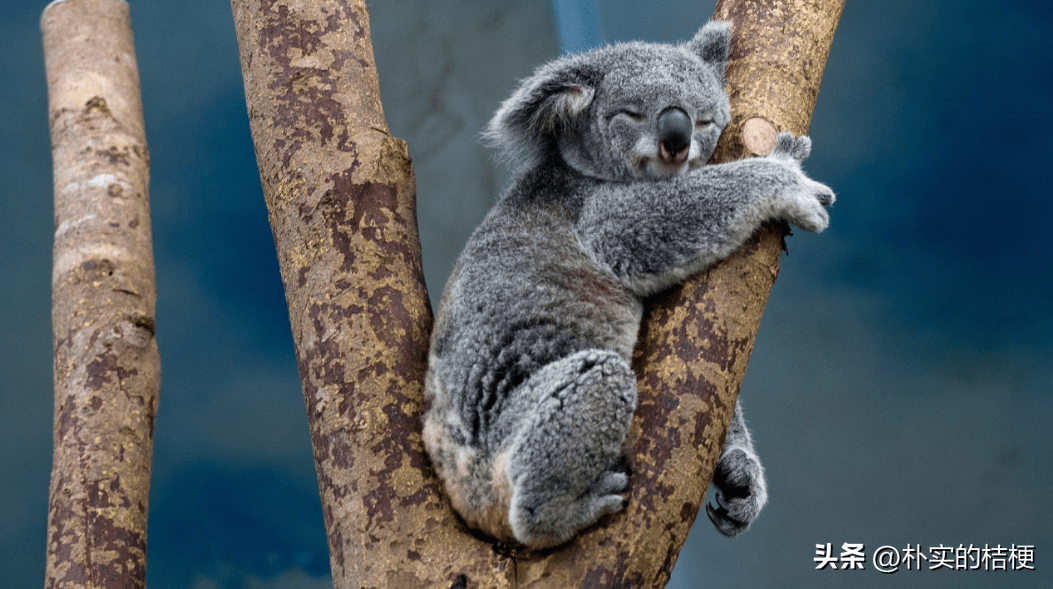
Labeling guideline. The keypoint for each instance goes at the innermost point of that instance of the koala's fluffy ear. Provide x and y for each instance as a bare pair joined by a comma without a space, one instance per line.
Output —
544,105
713,44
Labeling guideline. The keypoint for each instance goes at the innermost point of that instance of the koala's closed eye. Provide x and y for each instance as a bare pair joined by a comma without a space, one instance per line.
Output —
630,113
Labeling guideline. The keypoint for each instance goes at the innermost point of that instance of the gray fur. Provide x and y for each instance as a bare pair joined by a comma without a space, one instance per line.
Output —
529,386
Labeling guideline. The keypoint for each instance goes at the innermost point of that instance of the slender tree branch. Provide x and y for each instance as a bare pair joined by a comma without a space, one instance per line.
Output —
340,194
107,369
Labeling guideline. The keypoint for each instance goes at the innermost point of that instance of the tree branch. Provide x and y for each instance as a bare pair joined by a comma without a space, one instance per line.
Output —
696,339
107,369
340,194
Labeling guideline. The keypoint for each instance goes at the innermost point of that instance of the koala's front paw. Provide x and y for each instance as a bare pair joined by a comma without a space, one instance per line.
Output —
803,198
806,205
741,492
788,146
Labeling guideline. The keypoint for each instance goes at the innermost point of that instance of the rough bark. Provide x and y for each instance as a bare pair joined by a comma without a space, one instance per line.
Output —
697,338
340,194
107,368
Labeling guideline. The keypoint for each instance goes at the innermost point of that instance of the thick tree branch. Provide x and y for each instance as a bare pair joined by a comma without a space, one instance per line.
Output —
696,339
340,194
107,369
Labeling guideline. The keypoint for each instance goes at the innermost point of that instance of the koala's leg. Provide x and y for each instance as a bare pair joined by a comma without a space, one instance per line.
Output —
565,464
739,479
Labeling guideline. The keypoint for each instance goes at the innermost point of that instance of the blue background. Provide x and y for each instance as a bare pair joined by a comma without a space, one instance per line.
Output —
900,389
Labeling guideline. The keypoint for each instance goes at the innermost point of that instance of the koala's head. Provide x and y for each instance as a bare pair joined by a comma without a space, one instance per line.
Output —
632,110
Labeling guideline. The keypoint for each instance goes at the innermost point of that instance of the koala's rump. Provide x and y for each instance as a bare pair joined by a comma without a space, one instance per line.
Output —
475,481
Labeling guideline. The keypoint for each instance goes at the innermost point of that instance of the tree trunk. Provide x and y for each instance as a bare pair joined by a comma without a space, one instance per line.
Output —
107,369
340,195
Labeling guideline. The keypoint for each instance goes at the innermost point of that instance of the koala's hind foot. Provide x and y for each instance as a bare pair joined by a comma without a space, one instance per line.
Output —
739,480
566,465
741,492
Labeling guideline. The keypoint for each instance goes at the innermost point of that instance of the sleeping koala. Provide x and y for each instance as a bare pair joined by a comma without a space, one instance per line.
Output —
529,388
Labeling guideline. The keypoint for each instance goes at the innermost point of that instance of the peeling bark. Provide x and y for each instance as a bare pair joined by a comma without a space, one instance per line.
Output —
107,368
340,194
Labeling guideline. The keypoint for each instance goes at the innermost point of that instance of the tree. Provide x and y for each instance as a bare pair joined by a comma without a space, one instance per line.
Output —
340,197
339,192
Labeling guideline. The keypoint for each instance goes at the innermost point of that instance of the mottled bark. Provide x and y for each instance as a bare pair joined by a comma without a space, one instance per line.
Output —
107,369
697,338
340,194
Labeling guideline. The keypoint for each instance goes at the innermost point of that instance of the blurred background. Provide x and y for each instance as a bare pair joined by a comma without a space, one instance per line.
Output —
900,389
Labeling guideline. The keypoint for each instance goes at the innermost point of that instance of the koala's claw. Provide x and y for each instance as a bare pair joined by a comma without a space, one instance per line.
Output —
721,516
605,495
806,208
784,143
825,196
597,506
802,148
610,483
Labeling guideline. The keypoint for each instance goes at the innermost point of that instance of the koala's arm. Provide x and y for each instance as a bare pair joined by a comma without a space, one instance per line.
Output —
655,234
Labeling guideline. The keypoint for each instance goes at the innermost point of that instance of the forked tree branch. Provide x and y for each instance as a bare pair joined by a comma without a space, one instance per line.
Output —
107,369
340,195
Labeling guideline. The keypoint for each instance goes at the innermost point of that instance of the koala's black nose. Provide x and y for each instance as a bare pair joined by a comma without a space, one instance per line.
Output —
674,135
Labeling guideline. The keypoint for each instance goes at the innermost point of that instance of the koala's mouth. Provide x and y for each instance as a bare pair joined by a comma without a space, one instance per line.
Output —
658,167
665,168
672,159
656,160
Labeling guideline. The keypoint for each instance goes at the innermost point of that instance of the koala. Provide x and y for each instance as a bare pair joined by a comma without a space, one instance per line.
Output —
529,389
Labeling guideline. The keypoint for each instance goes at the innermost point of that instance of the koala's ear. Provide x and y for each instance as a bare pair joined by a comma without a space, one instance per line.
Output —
544,105
713,44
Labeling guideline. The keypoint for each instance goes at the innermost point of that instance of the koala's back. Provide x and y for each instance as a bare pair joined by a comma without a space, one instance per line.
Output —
523,293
